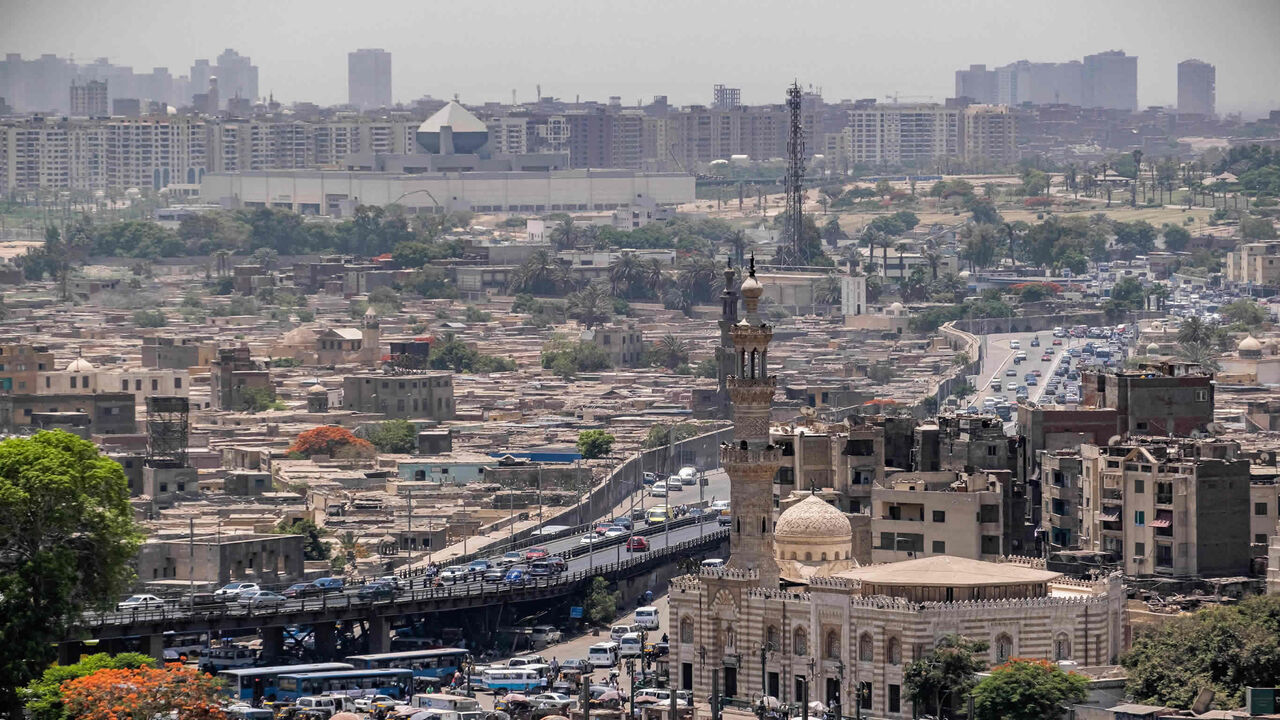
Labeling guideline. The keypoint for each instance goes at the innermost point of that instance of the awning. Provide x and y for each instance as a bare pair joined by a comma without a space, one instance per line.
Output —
1164,519
1109,517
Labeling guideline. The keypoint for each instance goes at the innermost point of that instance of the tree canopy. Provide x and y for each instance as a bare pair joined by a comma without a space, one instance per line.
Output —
455,355
1224,649
43,696
948,671
67,537
144,693
1027,690
327,440
314,548
594,443
392,436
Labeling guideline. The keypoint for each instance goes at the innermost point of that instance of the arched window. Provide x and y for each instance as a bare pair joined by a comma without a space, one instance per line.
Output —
1061,647
730,637
793,556
824,557
1004,648
771,637
686,630
808,557
866,650
894,651
833,645
800,642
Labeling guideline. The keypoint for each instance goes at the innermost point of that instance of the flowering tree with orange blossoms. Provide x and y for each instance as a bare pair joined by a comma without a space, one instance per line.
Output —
144,694
328,440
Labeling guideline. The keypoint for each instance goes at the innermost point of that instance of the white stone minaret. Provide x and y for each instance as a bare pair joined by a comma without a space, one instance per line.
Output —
750,460
370,338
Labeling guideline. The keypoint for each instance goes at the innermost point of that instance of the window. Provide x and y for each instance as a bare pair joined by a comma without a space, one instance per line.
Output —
832,645
989,513
939,547
771,637
1139,517
895,698
73,382
1260,508
1260,538
866,649
1139,549
894,651
799,643
155,384
864,695
1202,395
991,450
939,515
1004,648
124,385
1139,486
1061,647
686,630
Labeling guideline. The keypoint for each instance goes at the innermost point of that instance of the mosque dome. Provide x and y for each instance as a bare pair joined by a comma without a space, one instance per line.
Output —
468,132
896,309
80,365
751,287
812,519
1249,347
1153,349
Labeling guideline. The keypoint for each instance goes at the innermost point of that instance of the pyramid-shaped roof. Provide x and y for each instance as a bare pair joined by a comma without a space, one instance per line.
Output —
454,116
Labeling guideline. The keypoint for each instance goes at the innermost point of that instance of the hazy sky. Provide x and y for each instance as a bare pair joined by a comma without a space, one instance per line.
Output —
482,49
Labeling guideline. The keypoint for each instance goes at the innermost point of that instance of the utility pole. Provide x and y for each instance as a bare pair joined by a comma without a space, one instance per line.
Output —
191,551
411,542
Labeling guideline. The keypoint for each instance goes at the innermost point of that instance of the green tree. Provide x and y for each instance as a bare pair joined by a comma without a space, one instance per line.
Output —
259,399
600,605
455,355
393,436
43,696
314,548
706,368
594,443
1221,648
1028,690
384,300
568,358
669,352
1176,237
1129,294
66,543
590,306
1257,229
150,318
946,673
1244,312
883,189
662,433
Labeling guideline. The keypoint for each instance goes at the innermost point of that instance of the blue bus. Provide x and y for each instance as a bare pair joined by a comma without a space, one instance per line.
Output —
396,683
260,682
438,663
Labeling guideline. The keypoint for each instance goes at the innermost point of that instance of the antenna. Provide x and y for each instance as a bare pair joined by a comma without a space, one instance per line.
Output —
539,86
795,175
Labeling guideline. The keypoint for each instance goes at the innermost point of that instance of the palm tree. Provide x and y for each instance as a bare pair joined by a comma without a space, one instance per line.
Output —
702,278
827,290
1161,293
1203,354
1195,331
564,235
540,275
624,274
737,241
651,275
677,296
591,306
670,351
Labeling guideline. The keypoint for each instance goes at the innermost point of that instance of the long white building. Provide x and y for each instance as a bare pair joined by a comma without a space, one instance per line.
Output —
329,192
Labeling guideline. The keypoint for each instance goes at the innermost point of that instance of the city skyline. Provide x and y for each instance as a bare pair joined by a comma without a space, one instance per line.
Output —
848,54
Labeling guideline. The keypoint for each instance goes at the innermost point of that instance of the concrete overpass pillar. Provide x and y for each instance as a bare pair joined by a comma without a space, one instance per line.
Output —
379,634
153,645
272,642
326,640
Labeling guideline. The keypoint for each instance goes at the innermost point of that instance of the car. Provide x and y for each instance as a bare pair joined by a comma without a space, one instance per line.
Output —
231,590
376,591
589,539
552,701
479,565
724,520
622,521
674,484
261,598
330,584
510,558
535,553
1032,381
1011,373
455,573
603,527
659,489
656,515
494,574
637,543
614,532
1057,341
301,590
713,563
392,580
1035,341
650,478
1014,344
548,566
140,602
517,575
369,704
1046,357
996,385
1036,372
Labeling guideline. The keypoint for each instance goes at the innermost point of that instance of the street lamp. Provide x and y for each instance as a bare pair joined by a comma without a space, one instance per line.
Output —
766,647
839,703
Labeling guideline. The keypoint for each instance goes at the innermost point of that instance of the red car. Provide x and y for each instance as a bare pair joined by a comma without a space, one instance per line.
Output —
1057,341
535,553
1046,357
636,543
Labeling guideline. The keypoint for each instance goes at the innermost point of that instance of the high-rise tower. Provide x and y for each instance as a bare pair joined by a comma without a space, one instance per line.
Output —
751,461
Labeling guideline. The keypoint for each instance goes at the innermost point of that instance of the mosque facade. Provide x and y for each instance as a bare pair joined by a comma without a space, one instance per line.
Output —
792,615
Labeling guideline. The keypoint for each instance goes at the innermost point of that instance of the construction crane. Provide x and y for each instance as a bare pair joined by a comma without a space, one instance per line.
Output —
895,97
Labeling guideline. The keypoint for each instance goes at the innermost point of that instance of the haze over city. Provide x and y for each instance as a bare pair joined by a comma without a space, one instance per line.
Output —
482,50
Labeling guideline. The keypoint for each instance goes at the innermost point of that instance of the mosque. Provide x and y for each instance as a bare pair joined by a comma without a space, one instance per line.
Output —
794,617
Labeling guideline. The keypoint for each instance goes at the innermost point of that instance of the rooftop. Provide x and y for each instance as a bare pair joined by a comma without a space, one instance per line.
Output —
948,571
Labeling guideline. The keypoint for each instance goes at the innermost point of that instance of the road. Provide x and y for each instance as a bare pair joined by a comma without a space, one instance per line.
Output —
998,361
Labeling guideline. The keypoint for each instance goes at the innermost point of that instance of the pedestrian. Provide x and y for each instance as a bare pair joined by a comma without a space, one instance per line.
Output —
664,637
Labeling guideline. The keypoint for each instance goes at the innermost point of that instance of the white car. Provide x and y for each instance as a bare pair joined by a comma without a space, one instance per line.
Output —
141,602
659,489
589,539
713,563
369,704
261,598
455,573
231,591
552,701
614,532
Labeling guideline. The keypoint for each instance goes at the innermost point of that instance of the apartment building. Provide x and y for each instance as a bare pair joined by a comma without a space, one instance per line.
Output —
987,137
1060,519
1167,507
21,365
425,395
1197,85
938,513
1172,399
1254,263
902,135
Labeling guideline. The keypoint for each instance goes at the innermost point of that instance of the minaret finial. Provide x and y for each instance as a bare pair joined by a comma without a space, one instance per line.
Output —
752,271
